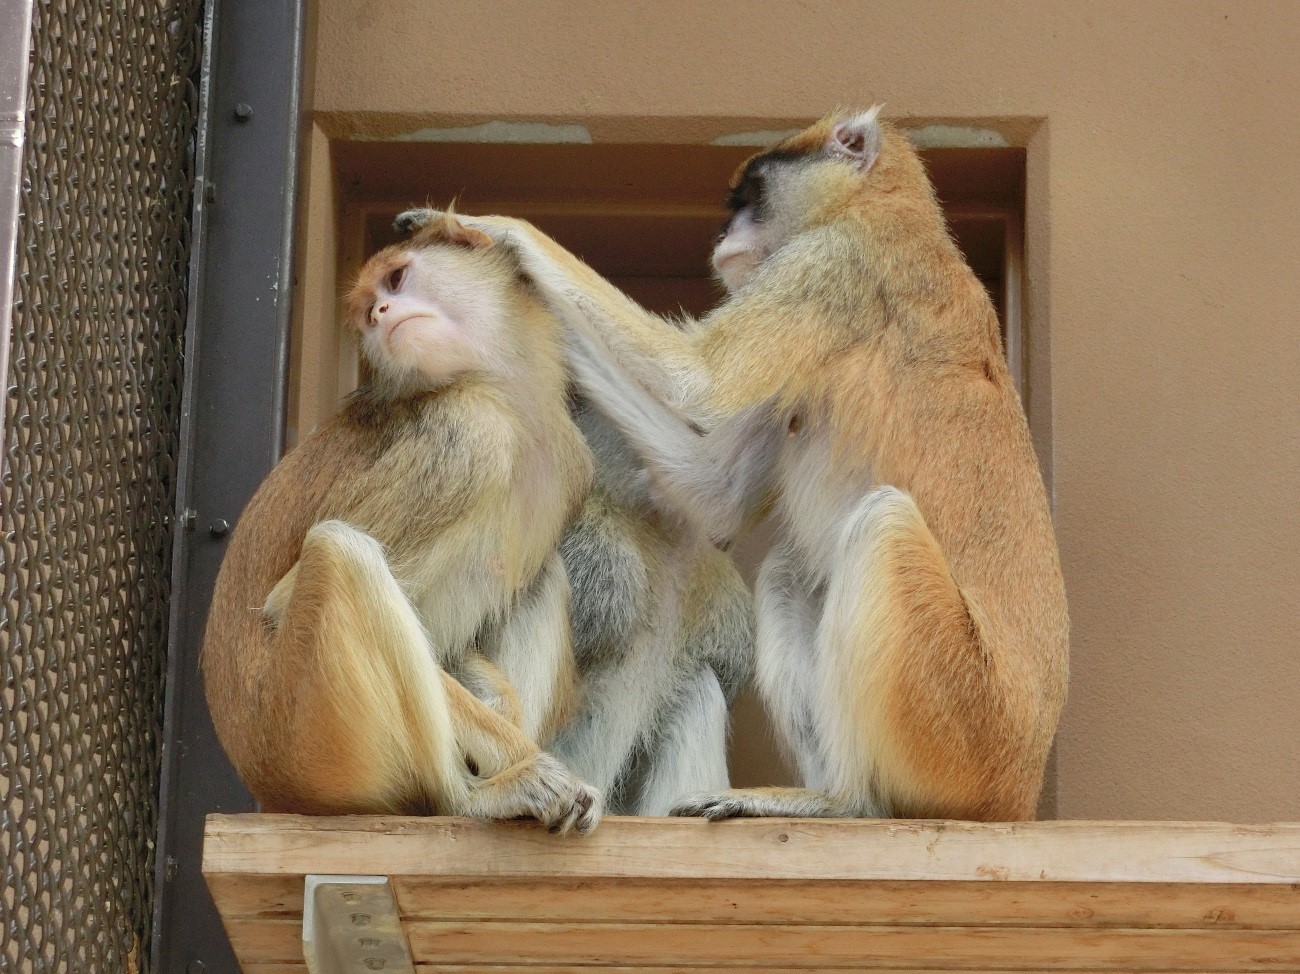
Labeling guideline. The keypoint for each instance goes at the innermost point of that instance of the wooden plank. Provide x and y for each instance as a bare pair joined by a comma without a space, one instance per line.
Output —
902,947
678,969
842,903
486,944
1222,906
245,895
761,849
601,969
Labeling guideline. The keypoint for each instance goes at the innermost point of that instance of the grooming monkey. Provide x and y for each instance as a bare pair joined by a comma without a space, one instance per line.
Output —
912,625
401,563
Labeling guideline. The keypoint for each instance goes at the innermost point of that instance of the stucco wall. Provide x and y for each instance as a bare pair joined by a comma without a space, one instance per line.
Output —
1163,258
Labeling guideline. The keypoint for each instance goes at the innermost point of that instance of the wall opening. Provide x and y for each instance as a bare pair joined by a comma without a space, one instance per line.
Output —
645,216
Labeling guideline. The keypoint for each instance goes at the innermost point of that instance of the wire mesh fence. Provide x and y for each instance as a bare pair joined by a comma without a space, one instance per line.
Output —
91,441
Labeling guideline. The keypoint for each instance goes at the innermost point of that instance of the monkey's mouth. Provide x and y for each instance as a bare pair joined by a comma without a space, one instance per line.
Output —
392,329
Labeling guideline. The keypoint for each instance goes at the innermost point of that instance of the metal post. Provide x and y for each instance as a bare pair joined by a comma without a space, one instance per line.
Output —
237,343
15,41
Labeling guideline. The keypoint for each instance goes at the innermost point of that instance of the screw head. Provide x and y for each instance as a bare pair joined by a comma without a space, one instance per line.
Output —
243,111
219,528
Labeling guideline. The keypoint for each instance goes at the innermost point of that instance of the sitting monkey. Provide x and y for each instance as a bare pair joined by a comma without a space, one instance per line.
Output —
409,541
663,635
912,623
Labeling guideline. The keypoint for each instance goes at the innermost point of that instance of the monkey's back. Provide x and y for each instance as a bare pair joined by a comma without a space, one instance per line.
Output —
242,678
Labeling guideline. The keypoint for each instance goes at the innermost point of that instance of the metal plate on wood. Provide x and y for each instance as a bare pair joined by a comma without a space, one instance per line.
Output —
350,925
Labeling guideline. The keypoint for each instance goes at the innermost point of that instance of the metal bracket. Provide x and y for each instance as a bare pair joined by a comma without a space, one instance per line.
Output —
350,925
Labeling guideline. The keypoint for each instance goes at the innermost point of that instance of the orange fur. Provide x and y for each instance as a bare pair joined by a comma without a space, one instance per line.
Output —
946,626
396,540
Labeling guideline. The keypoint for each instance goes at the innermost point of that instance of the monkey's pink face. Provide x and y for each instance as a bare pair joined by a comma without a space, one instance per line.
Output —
743,245
431,313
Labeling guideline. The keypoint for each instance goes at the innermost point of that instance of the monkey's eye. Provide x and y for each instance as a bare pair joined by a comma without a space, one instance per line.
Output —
395,278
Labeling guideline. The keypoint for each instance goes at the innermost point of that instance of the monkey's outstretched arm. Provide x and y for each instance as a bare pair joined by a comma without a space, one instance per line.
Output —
711,478
660,355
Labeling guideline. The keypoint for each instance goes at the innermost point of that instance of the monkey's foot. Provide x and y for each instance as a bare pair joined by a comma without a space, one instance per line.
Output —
559,799
714,807
760,803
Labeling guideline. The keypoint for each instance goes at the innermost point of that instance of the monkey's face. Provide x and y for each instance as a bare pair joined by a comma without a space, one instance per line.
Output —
744,243
432,309
784,190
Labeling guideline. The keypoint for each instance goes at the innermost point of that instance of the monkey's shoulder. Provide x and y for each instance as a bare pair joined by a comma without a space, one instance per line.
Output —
460,422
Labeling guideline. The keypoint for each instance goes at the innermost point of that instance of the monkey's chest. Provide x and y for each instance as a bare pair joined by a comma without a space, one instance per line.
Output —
817,490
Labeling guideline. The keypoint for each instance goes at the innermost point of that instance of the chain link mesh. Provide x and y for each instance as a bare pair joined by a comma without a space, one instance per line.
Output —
91,437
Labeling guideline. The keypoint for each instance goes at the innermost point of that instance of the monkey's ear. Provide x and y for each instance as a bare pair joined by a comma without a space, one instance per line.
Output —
458,233
857,138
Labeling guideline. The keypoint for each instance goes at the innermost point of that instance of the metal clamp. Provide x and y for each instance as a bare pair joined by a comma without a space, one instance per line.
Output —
350,925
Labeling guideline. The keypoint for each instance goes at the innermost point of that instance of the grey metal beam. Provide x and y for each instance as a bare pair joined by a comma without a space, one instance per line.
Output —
15,42
237,350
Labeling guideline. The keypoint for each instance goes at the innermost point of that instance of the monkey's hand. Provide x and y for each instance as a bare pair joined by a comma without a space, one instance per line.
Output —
497,227
540,787
409,221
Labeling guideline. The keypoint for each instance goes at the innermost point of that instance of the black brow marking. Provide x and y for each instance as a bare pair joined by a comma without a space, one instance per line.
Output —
749,188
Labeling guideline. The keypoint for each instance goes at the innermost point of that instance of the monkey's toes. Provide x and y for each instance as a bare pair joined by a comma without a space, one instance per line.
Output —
586,812
712,807
564,802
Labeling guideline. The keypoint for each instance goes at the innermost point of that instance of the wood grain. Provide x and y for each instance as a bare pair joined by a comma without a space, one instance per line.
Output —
1153,905
767,945
660,895
761,849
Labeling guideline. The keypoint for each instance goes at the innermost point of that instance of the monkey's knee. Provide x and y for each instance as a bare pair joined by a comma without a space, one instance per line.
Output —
919,715
885,514
344,547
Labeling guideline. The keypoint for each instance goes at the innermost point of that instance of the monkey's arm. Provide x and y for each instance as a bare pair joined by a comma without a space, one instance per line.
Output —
660,355
713,479
488,682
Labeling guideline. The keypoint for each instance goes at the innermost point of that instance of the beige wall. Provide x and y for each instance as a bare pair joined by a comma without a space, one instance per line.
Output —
1163,263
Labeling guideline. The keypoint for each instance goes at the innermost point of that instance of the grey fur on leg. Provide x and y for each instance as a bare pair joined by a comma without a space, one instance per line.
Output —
690,754
663,633
623,701
788,610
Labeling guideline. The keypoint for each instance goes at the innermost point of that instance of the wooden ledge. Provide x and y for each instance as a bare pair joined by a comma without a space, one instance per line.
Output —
668,894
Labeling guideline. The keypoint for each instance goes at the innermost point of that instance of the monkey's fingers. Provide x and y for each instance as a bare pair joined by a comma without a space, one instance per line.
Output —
715,808
584,813
409,221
